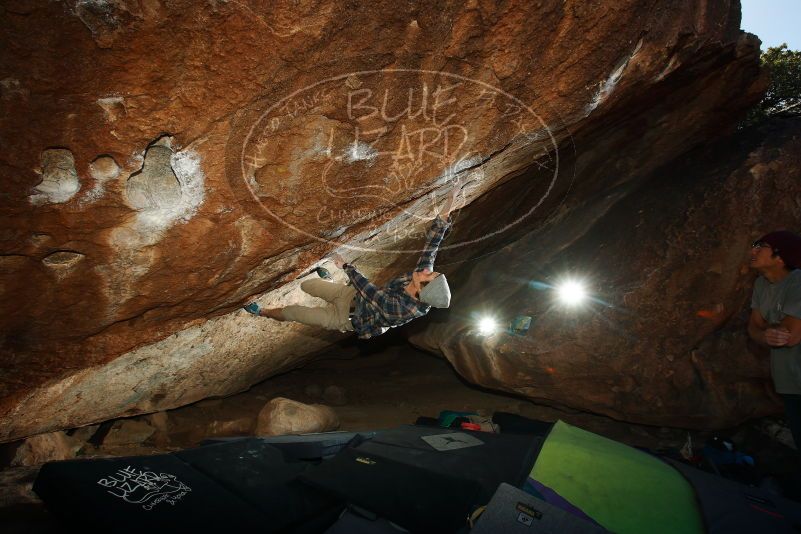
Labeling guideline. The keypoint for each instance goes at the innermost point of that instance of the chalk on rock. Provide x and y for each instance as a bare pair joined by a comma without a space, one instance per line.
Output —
59,178
156,185
104,168
63,260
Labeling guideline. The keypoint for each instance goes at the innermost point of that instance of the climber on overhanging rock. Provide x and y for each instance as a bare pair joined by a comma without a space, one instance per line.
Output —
370,310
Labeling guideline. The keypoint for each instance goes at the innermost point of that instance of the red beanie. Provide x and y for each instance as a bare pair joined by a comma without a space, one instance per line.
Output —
787,245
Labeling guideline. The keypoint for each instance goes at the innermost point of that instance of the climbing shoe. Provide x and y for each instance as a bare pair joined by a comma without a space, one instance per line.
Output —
253,308
323,273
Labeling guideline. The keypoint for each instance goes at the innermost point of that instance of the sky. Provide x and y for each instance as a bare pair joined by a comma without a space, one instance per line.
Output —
774,21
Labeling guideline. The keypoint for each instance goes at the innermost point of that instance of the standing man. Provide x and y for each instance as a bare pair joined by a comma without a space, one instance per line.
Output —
776,316
366,308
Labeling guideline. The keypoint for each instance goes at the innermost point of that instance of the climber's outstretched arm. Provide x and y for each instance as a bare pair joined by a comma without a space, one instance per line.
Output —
436,233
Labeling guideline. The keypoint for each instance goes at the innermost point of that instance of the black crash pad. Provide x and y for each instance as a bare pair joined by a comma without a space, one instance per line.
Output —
498,457
304,446
259,474
233,486
136,494
417,499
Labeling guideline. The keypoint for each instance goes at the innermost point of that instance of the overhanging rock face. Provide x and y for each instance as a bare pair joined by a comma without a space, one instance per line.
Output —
166,161
664,339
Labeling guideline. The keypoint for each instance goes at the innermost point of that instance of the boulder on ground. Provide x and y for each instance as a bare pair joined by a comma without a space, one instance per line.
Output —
43,448
284,416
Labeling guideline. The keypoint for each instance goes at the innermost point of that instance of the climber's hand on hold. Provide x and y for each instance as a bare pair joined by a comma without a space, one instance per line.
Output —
339,261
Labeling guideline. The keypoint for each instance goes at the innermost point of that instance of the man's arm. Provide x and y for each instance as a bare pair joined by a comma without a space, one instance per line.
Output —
365,287
757,326
793,327
761,332
436,233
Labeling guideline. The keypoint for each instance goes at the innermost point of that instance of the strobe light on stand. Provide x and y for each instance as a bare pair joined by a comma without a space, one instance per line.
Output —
571,293
487,326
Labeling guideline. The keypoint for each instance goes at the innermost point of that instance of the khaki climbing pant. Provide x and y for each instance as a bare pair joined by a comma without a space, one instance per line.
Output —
333,316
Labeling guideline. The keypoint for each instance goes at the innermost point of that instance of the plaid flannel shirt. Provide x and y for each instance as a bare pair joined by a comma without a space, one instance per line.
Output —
380,308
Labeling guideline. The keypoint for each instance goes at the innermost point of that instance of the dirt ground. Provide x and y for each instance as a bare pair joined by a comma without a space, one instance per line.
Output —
400,384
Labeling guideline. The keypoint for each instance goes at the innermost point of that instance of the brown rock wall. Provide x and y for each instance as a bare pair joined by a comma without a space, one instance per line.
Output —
221,148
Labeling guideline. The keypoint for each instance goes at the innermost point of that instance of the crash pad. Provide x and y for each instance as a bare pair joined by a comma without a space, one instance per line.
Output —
625,490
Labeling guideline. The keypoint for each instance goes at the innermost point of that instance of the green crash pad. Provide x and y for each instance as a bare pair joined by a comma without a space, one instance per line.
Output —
623,489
